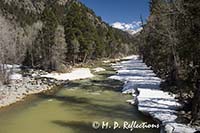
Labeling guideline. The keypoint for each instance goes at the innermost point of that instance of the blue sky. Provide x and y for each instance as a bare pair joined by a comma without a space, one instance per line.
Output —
124,11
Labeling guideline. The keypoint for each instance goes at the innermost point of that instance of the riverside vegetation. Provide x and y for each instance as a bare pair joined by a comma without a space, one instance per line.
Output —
45,35
170,43
74,107
52,35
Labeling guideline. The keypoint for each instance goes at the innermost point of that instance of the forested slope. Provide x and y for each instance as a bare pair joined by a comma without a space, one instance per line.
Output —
170,43
52,34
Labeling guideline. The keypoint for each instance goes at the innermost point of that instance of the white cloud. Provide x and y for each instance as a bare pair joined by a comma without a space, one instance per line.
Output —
133,27
118,25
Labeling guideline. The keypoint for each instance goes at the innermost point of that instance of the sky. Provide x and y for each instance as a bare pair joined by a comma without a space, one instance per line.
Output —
122,14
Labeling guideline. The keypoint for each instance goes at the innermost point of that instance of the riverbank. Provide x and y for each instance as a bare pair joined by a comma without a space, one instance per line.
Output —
141,82
36,81
74,107
23,83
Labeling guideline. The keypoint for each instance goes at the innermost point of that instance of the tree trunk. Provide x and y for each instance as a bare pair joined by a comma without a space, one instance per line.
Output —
196,105
85,57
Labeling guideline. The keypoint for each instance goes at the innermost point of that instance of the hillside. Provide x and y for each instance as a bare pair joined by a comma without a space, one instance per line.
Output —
55,34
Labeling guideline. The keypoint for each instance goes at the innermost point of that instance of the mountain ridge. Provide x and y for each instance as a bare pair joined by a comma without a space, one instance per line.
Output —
131,28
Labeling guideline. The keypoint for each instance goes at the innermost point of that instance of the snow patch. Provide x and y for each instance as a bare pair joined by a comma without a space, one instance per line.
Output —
78,73
11,68
15,76
130,57
140,81
111,60
99,69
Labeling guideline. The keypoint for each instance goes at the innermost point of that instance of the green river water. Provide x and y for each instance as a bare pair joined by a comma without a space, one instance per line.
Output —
73,109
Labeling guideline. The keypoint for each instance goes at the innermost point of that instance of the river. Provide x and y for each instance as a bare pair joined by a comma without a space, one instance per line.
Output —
74,108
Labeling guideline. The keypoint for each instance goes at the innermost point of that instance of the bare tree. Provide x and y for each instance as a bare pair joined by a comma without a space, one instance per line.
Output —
59,49
14,41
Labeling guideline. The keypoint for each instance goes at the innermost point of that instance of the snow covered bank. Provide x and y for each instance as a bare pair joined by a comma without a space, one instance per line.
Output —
98,69
119,59
78,73
142,83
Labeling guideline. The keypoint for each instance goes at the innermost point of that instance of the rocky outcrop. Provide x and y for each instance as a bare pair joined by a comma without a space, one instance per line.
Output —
31,83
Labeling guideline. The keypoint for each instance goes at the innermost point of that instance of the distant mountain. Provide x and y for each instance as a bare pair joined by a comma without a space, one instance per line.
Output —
133,32
131,28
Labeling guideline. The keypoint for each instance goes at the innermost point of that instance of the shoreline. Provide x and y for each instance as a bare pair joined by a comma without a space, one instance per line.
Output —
18,90
141,87
15,96
38,82
28,99
141,82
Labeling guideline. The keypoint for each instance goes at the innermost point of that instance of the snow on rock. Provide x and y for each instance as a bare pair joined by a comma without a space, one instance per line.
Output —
142,83
99,69
15,76
9,68
106,61
130,57
134,84
78,73
111,60
178,128
13,71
